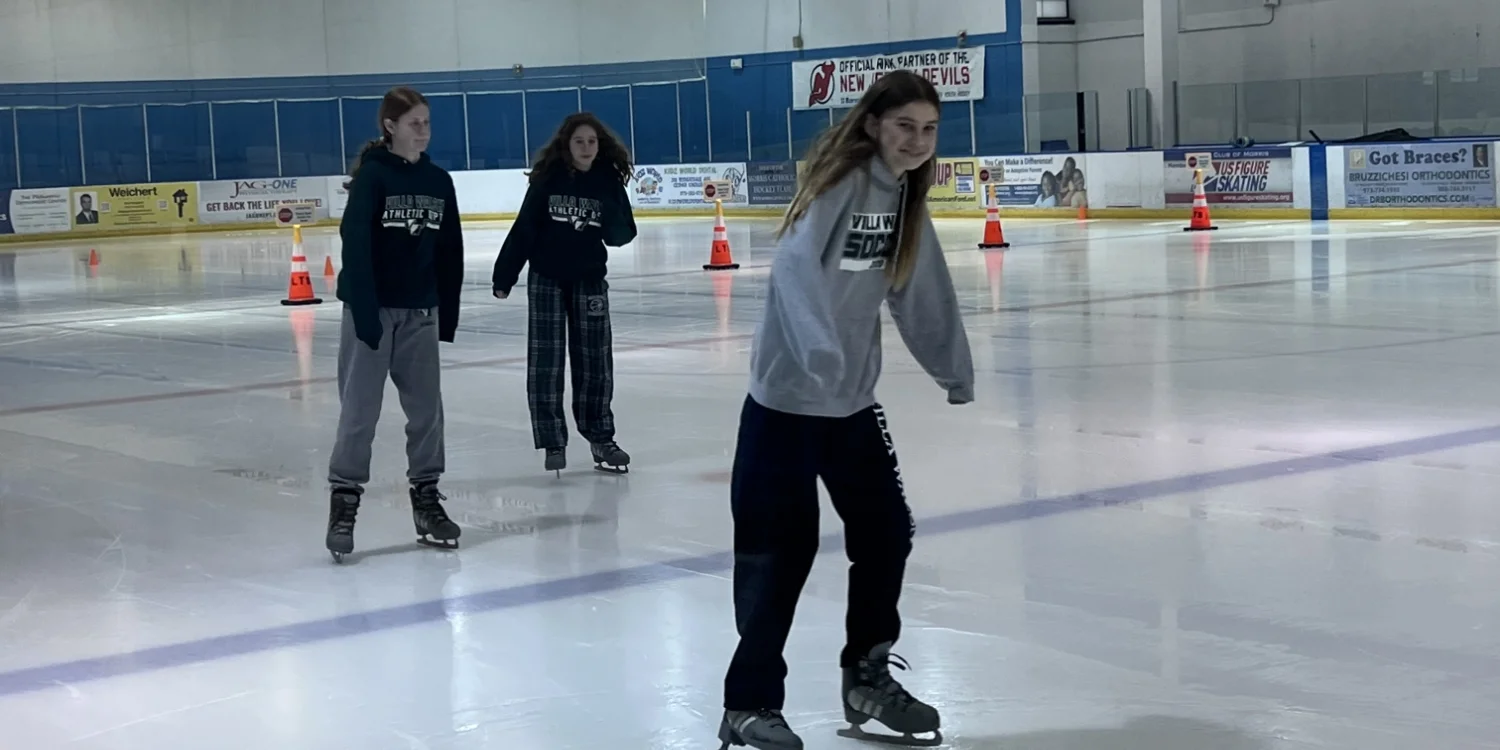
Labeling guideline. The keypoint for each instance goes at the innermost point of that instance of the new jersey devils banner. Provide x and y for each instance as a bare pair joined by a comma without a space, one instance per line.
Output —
838,83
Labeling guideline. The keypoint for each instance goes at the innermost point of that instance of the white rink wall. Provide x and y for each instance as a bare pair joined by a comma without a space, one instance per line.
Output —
1435,180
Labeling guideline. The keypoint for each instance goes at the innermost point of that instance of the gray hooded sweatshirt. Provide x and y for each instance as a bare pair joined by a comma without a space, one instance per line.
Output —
817,350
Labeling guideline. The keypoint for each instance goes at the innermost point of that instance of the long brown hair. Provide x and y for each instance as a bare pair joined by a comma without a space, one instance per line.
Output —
397,102
848,146
557,155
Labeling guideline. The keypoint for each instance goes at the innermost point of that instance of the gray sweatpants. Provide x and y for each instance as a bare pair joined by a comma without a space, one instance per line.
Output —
408,353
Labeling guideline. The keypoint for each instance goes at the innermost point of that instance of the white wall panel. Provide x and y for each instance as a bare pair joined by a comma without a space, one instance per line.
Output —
122,40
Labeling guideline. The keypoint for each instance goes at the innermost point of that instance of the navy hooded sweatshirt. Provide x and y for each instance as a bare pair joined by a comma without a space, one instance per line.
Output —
565,222
403,244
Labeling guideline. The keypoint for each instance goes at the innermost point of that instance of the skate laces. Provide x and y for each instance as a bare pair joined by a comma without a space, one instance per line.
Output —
878,672
428,502
343,519
428,495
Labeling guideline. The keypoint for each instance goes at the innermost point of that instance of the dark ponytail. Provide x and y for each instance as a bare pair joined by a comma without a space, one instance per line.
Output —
397,102
359,160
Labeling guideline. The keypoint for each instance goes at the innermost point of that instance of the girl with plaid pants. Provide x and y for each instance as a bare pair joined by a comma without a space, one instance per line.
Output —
575,206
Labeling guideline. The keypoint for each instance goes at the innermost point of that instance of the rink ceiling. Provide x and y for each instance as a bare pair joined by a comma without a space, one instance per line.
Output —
1216,492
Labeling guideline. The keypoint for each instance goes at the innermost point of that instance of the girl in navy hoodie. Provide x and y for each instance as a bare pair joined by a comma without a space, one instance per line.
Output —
403,253
576,205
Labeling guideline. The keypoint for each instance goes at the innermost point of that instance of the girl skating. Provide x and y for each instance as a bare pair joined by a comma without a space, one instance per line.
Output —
403,270
857,234
575,206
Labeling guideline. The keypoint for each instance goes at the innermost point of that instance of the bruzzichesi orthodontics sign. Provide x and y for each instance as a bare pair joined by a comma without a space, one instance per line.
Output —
1419,175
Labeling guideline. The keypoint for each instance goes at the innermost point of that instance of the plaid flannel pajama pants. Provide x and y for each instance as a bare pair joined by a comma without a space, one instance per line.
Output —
569,321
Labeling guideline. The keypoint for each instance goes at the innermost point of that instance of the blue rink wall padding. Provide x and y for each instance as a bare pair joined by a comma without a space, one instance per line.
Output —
310,138
1317,161
656,138
115,140
8,163
498,138
245,140
181,148
704,119
53,158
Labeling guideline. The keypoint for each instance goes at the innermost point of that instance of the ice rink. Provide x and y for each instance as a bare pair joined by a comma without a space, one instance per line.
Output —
1227,491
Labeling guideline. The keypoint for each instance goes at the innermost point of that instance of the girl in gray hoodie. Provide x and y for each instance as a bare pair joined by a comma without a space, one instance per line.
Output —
856,235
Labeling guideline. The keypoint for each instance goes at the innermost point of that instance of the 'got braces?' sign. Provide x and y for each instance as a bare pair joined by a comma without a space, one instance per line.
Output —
1420,175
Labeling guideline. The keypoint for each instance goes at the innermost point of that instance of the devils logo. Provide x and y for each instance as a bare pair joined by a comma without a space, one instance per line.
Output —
821,84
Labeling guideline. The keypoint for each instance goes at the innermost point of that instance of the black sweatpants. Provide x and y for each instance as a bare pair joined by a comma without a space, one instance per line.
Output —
774,498
569,321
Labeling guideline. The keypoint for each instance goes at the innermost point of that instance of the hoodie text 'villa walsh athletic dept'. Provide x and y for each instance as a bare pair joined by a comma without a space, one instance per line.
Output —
817,350
565,222
403,243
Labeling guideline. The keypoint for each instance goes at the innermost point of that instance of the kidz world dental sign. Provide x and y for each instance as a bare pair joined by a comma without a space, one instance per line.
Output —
838,83
1422,175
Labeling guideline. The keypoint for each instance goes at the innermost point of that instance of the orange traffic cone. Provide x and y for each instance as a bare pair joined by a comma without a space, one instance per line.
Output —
1201,220
328,267
93,258
719,258
994,235
299,288
1083,211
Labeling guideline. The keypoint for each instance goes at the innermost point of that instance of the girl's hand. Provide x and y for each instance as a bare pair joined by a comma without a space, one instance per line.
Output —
501,295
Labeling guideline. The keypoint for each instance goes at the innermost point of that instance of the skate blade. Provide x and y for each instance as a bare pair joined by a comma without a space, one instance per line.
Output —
338,557
444,544
612,469
905,740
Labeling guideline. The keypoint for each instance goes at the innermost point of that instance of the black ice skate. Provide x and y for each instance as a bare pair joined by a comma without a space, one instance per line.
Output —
609,458
343,506
870,692
557,459
763,730
434,528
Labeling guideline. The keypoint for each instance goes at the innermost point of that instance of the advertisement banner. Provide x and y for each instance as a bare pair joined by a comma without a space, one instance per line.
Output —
171,205
681,185
1259,178
1419,175
37,211
954,185
1036,181
838,83
256,201
771,183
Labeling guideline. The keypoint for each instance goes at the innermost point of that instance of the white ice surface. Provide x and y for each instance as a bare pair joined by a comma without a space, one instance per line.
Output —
1219,492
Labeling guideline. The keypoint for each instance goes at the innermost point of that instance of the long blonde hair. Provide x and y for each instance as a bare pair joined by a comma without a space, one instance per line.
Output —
848,146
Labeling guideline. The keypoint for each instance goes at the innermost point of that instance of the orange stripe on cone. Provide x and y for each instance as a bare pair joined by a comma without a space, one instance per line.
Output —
299,286
719,257
994,235
1201,222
